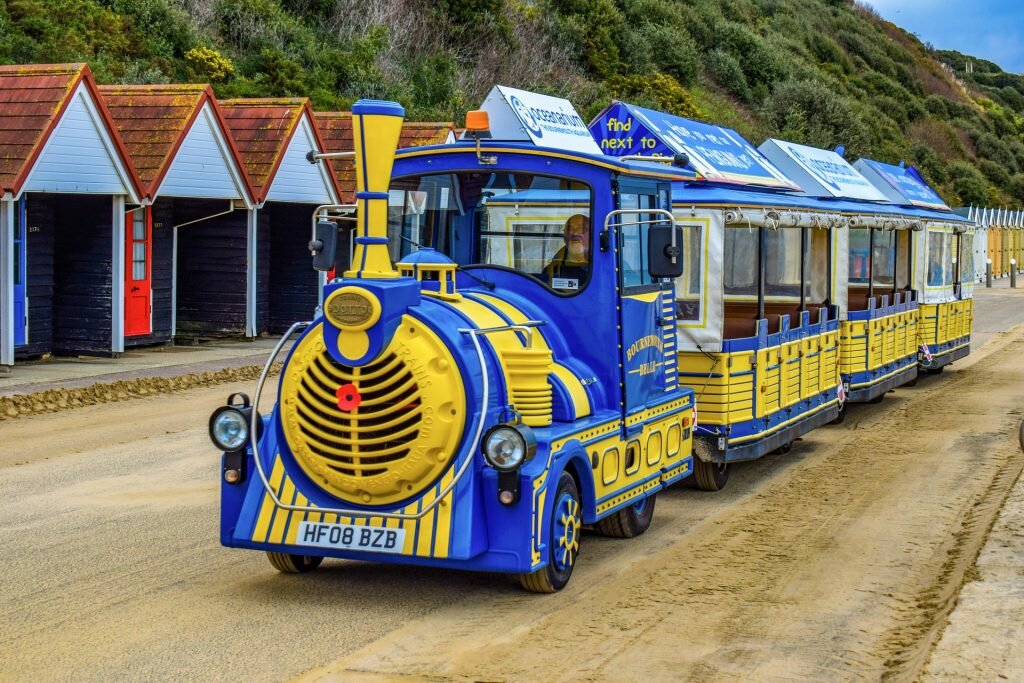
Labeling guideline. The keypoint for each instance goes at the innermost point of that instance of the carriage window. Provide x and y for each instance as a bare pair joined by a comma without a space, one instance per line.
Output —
782,263
537,225
880,263
688,285
966,257
940,259
740,266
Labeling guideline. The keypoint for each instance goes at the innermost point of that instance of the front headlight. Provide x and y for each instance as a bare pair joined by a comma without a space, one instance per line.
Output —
229,429
508,446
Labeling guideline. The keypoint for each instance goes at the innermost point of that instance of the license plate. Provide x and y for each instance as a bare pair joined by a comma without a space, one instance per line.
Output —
351,537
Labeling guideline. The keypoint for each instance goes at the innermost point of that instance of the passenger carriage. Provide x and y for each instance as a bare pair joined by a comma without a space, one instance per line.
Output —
936,260
757,323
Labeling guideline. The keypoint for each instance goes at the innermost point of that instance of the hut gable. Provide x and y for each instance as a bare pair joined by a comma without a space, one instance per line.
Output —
336,132
273,136
297,180
56,135
176,141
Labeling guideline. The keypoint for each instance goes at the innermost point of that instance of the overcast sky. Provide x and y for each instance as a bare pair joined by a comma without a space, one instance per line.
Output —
991,29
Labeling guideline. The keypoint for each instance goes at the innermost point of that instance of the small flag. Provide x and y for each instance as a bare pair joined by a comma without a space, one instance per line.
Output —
926,352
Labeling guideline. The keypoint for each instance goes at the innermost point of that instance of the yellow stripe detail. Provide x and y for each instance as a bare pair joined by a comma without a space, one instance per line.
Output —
580,401
295,519
646,297
444,518
267,509
281,518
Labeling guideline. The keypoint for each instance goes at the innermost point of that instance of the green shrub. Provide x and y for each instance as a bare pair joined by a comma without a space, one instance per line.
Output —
208,65
593,27
728,73
996,173
827,51
937,106
810,113
929,164
969,184
1016,187
659,91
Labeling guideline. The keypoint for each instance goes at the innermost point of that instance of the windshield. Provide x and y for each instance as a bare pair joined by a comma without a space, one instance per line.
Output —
534,224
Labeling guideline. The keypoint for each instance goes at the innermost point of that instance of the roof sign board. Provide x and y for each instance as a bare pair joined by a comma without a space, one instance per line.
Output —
900,184
546,121
821,172
716,153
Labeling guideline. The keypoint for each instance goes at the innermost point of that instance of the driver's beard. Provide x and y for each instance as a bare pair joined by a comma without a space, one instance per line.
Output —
576,252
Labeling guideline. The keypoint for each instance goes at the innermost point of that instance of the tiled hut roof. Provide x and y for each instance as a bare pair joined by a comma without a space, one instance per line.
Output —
336,131
262,129
32,99
154,120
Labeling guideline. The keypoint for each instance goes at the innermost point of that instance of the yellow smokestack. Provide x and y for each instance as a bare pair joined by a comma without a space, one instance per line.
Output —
376,126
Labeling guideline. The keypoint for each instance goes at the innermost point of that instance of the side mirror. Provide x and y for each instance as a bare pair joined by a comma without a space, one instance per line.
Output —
323,245
664,251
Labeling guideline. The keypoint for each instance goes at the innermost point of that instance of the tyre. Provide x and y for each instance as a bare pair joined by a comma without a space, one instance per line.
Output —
564,529
294,564
935,371
877,399
630,521
710,476
841,417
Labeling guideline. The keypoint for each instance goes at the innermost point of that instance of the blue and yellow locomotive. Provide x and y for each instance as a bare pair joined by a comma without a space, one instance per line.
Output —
485,379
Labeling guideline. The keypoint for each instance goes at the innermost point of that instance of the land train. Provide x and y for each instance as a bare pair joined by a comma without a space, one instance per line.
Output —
499,364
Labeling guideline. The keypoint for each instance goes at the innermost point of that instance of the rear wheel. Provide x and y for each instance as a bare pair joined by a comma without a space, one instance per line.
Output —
630,521
710,476
294,564
841,417
877,399
564,530
935,371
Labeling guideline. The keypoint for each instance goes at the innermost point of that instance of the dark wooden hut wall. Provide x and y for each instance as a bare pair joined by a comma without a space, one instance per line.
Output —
263,283
211,271
293,282
39,250
82,267
163,273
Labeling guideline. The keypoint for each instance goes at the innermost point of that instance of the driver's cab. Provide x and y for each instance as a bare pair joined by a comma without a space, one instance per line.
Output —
578,242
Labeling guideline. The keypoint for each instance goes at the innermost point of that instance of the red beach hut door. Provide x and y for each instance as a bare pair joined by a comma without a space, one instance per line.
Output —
138,286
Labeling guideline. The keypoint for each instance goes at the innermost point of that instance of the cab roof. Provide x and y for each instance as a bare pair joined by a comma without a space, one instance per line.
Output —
637,168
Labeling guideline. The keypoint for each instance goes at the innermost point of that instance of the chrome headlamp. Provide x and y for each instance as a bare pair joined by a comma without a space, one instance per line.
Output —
229,424
507,447
229,429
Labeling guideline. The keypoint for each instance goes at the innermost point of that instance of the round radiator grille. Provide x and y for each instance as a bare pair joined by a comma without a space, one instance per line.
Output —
396,438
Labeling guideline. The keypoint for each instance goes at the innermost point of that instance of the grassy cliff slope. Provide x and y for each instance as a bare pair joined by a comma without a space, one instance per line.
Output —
821,72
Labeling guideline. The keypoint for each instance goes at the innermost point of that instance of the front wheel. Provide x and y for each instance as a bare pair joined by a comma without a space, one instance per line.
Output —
710,476
294,564
564,530
630,521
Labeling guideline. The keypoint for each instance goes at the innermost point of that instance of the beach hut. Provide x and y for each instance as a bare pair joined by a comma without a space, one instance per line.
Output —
336,131
193,184
64,182
274,137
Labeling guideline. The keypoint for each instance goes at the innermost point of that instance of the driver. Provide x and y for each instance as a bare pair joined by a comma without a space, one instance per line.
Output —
571,263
